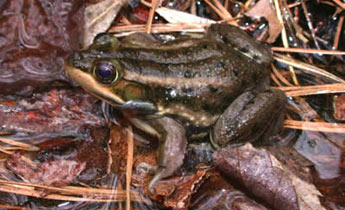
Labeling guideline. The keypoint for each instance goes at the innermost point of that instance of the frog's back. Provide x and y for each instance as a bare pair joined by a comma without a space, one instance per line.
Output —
197,78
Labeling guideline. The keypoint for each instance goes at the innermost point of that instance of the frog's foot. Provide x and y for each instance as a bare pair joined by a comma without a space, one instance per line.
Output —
160,173
149,169
172,148
146,168
250,117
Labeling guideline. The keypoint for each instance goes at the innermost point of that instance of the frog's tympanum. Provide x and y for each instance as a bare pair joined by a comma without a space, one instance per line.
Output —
174,90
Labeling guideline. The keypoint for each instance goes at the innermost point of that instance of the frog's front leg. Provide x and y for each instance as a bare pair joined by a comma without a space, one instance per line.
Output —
250,117
172,148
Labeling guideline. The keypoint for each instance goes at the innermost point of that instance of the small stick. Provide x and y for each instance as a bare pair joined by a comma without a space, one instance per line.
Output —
22,146
340,4
315,126
130,143
307,67
310,24
305,50
313,89
275,79
151,15
337,34
284,38
215,9
280,76
225,12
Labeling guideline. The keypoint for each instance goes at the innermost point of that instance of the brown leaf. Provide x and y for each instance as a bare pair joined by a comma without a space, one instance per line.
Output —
264,8
51,114
98,17
176,192
265,177
217,193
54,173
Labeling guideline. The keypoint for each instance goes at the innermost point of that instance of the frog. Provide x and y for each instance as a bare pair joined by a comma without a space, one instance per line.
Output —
214,84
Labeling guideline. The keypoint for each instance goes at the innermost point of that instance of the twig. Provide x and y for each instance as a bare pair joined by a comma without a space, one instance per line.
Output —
275,79
69,192
280,76
22,146
313,89
340,4
294,4
158,28
221,11
338,32
305,50
218,11
129,166
315,126
14,207
151,15
327,2
224,11
110,155
306,67
284,38
310,24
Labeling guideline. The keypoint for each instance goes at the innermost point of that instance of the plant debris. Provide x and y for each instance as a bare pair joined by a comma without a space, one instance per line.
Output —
264,176
55,147
56,113
45,173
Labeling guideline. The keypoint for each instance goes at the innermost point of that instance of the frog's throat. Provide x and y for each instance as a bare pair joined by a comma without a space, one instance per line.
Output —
87,82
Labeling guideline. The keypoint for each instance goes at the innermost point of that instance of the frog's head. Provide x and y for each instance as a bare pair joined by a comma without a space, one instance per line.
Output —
101,74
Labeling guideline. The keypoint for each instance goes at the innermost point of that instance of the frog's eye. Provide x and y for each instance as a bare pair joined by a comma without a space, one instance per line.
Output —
106,72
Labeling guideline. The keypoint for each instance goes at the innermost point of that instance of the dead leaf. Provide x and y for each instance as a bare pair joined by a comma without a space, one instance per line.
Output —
175,16
218,193
176,192
53,173
264,8
56,113
98,18
266,178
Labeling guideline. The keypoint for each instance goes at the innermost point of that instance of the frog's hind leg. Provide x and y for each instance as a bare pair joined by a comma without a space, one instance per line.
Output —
172,148
250,117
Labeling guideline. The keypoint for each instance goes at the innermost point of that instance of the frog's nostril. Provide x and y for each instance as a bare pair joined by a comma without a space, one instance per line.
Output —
76,63
76,56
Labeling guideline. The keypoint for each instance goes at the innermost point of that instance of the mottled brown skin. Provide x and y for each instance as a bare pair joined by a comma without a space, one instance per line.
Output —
218,81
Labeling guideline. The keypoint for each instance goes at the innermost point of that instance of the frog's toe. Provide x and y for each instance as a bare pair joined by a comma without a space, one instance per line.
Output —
158,176
146,168
161,173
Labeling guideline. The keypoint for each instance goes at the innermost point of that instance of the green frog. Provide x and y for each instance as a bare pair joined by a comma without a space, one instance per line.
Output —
217,83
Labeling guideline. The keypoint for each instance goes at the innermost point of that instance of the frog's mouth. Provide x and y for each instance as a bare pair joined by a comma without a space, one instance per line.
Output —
87,82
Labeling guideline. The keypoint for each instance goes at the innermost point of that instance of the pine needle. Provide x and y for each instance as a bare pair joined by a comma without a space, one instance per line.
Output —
69,193
304,50
130,143
313,89
315,126
19,145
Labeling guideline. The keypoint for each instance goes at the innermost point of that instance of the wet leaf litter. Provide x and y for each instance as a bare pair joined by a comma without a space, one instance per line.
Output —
43,110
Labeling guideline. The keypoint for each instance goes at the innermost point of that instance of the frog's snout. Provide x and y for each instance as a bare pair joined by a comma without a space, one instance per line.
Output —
79,61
